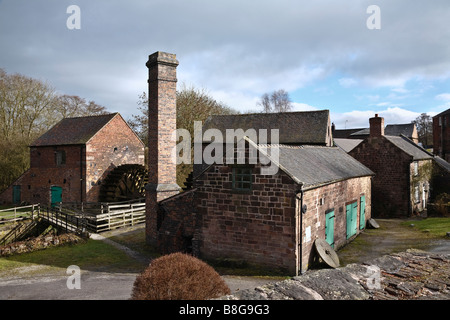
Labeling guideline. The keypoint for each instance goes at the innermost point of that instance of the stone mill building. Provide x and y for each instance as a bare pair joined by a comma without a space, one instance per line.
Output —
241,210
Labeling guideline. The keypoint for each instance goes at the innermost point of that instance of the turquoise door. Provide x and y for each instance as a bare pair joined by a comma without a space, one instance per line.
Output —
329,228
56,195
351,215
362,213
16,194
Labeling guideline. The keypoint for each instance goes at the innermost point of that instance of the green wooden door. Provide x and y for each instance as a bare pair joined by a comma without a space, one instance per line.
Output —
329,228
16,194
56,195
362,213
351,215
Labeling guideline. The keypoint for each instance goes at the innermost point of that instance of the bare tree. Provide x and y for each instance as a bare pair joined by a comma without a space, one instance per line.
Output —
192,105
277,101
28,108
424,125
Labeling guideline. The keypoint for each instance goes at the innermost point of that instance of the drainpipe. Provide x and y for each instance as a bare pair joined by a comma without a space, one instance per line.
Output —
300,241
81,174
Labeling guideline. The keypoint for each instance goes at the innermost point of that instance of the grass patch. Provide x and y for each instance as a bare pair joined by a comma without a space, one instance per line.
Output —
435,227
92,255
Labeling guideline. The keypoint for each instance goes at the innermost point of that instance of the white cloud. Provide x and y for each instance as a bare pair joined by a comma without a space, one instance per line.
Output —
443,97
302,107
360,119
347,82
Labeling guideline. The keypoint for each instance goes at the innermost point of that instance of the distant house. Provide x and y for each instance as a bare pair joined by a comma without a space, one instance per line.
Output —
441,135
70,161
408,130
402,169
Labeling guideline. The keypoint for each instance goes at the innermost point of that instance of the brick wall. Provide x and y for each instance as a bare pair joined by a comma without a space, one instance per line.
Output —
114,145
161,126
391,184
333,197
44,173
258,227
176,223
441,136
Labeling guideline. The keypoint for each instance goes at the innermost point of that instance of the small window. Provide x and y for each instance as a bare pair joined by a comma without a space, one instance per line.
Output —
60,158
242,178
416,168
416,194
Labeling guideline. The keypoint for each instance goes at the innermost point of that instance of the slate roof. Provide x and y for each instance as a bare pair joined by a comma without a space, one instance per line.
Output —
73,131
344,133
390,130
400,129
347,144
314,166
442,113
307,127
410,147
442,163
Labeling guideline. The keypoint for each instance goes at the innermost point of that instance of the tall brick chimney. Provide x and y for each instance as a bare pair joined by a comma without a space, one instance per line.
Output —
162,183
376,126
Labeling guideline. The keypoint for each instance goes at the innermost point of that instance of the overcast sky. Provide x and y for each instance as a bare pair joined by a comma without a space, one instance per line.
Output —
322,52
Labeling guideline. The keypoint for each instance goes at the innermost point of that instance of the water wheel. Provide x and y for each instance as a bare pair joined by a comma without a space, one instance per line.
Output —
125,182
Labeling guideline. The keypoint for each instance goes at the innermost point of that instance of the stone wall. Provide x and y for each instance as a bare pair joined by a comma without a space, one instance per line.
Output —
116,144
391,184
257,226
333,197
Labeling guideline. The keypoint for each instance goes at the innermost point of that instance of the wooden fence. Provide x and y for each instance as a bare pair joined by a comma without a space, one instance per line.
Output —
96,218
19,213
116,216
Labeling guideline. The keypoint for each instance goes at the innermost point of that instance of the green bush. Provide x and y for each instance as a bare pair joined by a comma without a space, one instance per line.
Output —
178,276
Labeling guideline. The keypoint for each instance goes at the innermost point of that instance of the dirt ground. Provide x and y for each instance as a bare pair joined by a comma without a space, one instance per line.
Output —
391,237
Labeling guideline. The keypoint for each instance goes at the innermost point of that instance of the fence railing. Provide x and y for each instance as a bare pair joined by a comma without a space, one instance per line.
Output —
117,216
107,216
19,213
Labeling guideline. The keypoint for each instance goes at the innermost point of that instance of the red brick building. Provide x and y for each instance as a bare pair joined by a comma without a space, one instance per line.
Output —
402,169
441,135
70,161
239,211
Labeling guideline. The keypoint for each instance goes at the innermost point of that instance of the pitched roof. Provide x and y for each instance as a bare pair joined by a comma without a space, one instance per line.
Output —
409,147
399,129
73,131
442,113
347,144
344,133
390,130
307,127
442,163
314,166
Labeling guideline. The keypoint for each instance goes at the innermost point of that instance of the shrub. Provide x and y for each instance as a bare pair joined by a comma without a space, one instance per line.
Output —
178,276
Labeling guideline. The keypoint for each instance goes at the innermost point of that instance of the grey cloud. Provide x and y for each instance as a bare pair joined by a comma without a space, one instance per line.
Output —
223,45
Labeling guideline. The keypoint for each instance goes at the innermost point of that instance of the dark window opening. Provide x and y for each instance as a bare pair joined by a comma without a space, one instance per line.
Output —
60,157
242,178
